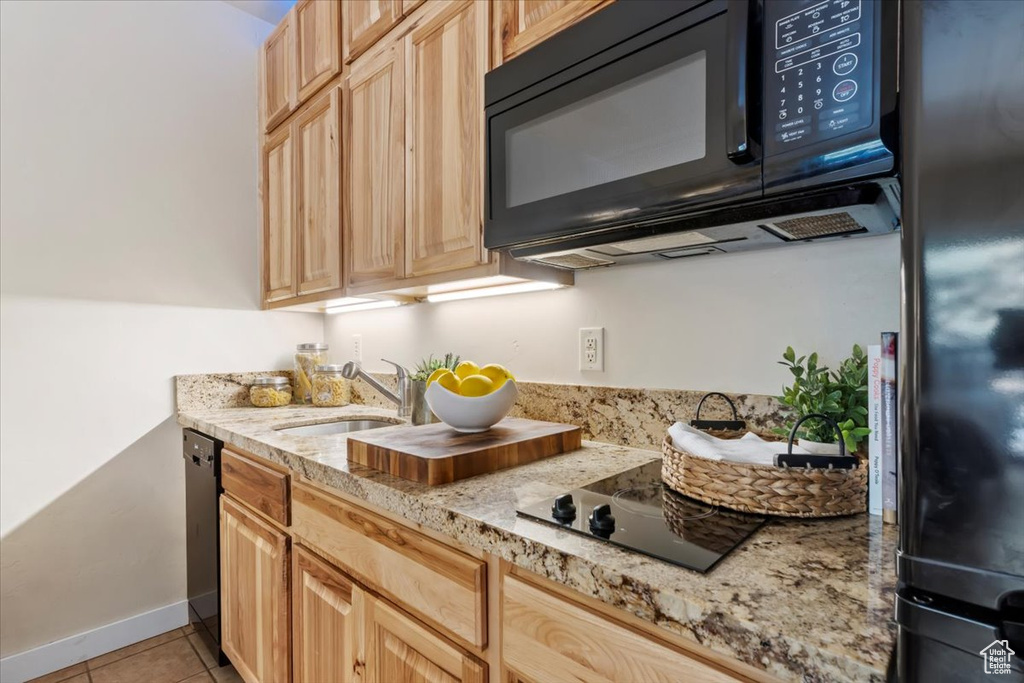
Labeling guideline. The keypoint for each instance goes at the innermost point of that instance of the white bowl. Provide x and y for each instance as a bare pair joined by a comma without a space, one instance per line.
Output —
471,414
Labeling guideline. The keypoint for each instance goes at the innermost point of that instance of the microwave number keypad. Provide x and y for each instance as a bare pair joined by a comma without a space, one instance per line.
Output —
818,73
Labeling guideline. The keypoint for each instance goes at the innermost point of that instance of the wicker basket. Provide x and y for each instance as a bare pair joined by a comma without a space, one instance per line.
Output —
764,489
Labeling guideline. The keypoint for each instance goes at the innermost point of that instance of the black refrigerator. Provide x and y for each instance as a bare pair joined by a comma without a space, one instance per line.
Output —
960,600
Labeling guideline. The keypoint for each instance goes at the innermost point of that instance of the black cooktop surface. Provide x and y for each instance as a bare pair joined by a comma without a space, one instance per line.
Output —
634,510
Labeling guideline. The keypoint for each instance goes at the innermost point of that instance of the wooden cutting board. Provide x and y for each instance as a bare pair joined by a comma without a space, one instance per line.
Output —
437,454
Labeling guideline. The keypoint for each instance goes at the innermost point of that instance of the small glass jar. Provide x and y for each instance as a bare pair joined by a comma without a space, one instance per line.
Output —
307,357
330,388
270,392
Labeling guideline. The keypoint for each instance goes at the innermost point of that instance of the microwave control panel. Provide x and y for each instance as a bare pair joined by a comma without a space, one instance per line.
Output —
818,70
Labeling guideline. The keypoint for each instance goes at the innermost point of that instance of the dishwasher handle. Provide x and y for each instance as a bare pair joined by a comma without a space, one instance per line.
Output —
197,460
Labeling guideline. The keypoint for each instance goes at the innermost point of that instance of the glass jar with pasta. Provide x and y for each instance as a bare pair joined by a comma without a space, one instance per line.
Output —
307,357
330,388
270,392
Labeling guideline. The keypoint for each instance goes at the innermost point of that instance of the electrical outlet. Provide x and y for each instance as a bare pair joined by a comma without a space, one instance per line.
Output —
592,349
357,348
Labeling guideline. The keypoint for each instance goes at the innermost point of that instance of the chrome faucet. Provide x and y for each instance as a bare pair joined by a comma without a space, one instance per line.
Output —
403,399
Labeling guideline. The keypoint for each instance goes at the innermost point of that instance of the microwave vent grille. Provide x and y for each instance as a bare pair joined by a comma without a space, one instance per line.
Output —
810,227
572,261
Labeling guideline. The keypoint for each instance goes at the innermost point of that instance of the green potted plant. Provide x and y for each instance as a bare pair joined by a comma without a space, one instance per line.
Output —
421,413
840,394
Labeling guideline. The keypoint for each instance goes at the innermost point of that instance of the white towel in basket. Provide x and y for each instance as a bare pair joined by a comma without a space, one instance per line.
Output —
750,449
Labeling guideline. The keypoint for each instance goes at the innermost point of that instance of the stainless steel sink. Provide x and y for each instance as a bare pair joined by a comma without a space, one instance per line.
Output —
338,427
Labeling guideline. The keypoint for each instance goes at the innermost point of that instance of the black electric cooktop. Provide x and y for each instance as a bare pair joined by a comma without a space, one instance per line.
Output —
634,510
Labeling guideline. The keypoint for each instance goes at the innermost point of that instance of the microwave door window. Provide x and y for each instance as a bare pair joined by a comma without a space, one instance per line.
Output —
648,123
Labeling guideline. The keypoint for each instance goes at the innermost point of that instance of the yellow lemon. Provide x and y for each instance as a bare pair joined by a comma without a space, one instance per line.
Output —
476,385
498,374
436,374
450,382
467,368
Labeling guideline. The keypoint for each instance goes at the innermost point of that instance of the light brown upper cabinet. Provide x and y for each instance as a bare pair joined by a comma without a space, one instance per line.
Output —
278,216
318,44
301,197
365,22
317,180
521,24
299,58
375,229
400,649
277,68
327,631
374,183
446,58
254,598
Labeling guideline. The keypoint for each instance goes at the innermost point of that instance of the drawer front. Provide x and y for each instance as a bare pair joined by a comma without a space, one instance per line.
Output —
430,580
256,485
548,638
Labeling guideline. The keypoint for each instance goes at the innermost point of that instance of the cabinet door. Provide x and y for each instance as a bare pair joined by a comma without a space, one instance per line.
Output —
317,180
522,24
400,649
446,58
318,39
547,638
327,632
278,216
376,172
278,78
365,22
254,595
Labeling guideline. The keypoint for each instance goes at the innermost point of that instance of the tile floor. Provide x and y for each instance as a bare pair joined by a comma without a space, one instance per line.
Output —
173,657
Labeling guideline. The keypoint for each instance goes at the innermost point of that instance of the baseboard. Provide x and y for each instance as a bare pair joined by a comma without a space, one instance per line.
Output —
63,653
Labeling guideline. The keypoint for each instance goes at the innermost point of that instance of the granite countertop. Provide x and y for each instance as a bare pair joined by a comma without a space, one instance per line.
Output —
803,600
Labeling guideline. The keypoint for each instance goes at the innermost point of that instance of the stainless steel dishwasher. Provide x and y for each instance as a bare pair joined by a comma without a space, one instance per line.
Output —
202,488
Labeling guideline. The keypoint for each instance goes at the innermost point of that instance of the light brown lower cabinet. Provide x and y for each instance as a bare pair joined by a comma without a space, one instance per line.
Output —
548,638
346,595
327,626
439,584
254,595
400,649
342,634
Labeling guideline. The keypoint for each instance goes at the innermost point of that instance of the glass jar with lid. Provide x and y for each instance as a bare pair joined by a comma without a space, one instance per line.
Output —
270,392
307,357
330,388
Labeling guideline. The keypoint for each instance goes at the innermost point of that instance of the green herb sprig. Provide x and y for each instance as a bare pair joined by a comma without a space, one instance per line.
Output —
427,366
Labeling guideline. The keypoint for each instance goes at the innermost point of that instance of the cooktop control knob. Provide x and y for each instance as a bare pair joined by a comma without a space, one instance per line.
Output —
601,520
564,510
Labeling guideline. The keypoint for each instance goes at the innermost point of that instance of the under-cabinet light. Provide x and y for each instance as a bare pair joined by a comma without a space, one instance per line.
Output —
514,288
368,306
346,301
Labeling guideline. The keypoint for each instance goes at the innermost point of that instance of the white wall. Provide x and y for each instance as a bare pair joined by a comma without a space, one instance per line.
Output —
712,323
129,254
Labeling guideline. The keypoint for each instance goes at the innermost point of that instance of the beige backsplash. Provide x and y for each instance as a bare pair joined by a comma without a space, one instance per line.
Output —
221,390
623,416
627,417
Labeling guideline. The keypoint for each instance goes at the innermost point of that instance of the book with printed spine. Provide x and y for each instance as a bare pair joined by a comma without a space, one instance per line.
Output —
890,427
875,425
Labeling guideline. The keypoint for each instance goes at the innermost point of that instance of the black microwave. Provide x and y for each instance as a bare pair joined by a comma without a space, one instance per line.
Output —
675,128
